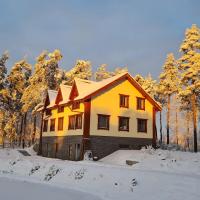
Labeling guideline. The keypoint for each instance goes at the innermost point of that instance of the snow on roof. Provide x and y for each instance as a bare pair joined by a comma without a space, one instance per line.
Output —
52,96
65,90
86,88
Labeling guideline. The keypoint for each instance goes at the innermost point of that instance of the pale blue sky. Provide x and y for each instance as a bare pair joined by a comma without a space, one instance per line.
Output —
137,34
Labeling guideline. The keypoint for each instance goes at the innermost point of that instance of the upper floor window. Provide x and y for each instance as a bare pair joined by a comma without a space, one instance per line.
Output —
48,112
123,123
142,125
140,103
45,125
75,105
75,122
79,121
52,124
103,122
60,109
60,123
124,100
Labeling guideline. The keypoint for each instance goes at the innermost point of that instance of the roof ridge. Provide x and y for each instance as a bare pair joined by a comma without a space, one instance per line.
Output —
52,90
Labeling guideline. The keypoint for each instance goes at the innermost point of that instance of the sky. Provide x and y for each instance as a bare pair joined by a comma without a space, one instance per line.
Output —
137,34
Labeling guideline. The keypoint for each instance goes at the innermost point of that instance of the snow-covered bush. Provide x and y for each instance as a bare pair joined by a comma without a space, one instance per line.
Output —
53,170
34,169
79,174
148,149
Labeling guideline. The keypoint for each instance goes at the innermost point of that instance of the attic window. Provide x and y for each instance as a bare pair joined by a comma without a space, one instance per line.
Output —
75,105
60,109
60,123
140,103
124,100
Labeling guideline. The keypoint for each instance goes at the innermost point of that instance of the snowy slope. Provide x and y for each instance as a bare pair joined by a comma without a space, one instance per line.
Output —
156,176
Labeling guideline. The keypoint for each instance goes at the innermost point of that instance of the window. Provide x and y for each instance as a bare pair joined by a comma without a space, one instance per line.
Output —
75,122
142,125
48,112
75,105
45,125
60,123
78,121
124,101
60,109
103,122
72,122
140,103
123,123
52,125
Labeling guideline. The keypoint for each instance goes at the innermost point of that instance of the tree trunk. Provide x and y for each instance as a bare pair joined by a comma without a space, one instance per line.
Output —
176,122
160,127
21,130
168,117
34,128
194,112
24,130
41,130
188,130
3,141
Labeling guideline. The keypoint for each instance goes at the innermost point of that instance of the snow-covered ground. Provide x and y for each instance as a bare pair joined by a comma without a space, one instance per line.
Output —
158,174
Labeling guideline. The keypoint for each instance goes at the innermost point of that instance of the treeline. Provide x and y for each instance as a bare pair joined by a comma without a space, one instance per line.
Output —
177,90
25,86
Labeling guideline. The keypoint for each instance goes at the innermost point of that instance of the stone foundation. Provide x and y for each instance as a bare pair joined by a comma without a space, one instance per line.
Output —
71,147
102,146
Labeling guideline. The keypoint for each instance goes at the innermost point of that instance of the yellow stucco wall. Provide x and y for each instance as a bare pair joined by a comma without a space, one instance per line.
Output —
67,112
108,103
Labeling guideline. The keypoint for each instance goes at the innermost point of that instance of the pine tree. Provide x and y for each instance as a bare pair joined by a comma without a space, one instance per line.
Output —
82,69
48,65
168,84
3,69
102,73
147,83
3,94
160,98
16,81
189,65
119,70
51,69
45,76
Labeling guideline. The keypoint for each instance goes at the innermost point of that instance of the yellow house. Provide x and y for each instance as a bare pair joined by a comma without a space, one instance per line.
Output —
104,116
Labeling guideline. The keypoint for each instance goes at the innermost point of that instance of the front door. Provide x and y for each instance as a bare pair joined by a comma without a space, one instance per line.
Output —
77,151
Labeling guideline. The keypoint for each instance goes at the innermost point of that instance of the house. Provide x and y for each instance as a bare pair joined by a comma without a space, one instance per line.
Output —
104,116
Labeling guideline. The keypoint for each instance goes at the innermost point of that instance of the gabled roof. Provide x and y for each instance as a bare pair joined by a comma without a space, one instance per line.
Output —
51,95
86,89
63,94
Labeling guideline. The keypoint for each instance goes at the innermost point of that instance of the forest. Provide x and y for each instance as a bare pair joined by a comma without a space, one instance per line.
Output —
177,89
